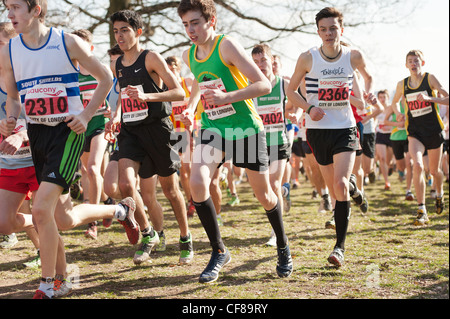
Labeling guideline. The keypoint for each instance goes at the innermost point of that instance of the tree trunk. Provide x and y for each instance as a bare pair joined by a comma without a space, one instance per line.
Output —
114,6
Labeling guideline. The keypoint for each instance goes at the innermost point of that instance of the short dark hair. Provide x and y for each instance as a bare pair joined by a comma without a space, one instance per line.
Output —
133,18
206,7
262,48
330,12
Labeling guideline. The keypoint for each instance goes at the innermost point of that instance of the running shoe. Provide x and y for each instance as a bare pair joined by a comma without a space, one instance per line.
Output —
284,264
62,288
336,257
330,224
130,225
186,251
287,199
162,242
421,218
234,201
217,261
39,294
409,196
272,242
145,248
387,186
8,241
91,231
33,263
364,207
439,205
190,209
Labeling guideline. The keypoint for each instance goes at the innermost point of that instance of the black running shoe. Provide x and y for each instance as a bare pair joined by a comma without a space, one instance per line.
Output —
217,261
284,265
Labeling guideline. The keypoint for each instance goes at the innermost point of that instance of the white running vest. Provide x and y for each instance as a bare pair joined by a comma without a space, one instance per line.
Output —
328,86
47,80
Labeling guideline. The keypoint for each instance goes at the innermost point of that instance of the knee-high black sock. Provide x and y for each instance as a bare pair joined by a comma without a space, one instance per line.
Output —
207,214
276,220
341,217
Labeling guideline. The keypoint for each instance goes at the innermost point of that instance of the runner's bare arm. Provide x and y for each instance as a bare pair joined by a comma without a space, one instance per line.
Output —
13,105
359,63
235,56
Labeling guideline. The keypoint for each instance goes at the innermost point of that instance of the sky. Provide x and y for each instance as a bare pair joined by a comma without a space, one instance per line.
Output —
385,46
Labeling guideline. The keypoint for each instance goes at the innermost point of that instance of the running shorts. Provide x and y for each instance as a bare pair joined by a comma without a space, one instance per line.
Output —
249,152
430,142
152,145
325,143
399,148
19,180
56,151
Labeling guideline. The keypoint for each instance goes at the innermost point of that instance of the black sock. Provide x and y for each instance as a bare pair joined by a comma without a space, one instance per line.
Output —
341,217
207,214
276,220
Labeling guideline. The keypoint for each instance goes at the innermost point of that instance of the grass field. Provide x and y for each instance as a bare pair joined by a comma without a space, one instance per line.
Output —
387,257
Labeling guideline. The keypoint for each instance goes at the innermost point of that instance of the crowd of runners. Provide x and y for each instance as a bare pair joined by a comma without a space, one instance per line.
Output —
110,137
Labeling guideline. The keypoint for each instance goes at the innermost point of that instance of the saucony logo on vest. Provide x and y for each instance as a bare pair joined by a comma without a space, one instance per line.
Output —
53,47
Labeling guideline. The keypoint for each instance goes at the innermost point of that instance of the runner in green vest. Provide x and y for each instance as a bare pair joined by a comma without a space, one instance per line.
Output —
231,127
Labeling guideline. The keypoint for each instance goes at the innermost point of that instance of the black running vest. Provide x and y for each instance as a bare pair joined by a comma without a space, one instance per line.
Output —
422,117
136,74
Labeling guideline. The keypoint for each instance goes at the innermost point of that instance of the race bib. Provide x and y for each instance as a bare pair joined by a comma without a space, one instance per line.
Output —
133,110
215,112
272,117
24,151
334,93
47,104
86,97
416,107
178,107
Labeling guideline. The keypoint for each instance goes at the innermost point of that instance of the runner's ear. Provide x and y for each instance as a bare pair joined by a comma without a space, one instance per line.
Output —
139,31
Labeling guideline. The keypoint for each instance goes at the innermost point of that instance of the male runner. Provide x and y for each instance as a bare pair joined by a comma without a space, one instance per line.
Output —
331,126
39,73
231,127
424,127
145,139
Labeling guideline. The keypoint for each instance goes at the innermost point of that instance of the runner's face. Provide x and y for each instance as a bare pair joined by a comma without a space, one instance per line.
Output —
383,98
125,36
264,63
196,26
414,64
19,15
330,31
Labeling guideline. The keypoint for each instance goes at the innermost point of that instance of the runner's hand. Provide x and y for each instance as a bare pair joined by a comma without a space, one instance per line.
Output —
187,118
76,123
11,144
215,97
135,94
316,113
7,126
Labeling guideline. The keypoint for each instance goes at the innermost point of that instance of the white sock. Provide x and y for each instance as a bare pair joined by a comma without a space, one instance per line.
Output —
120,213
46,288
